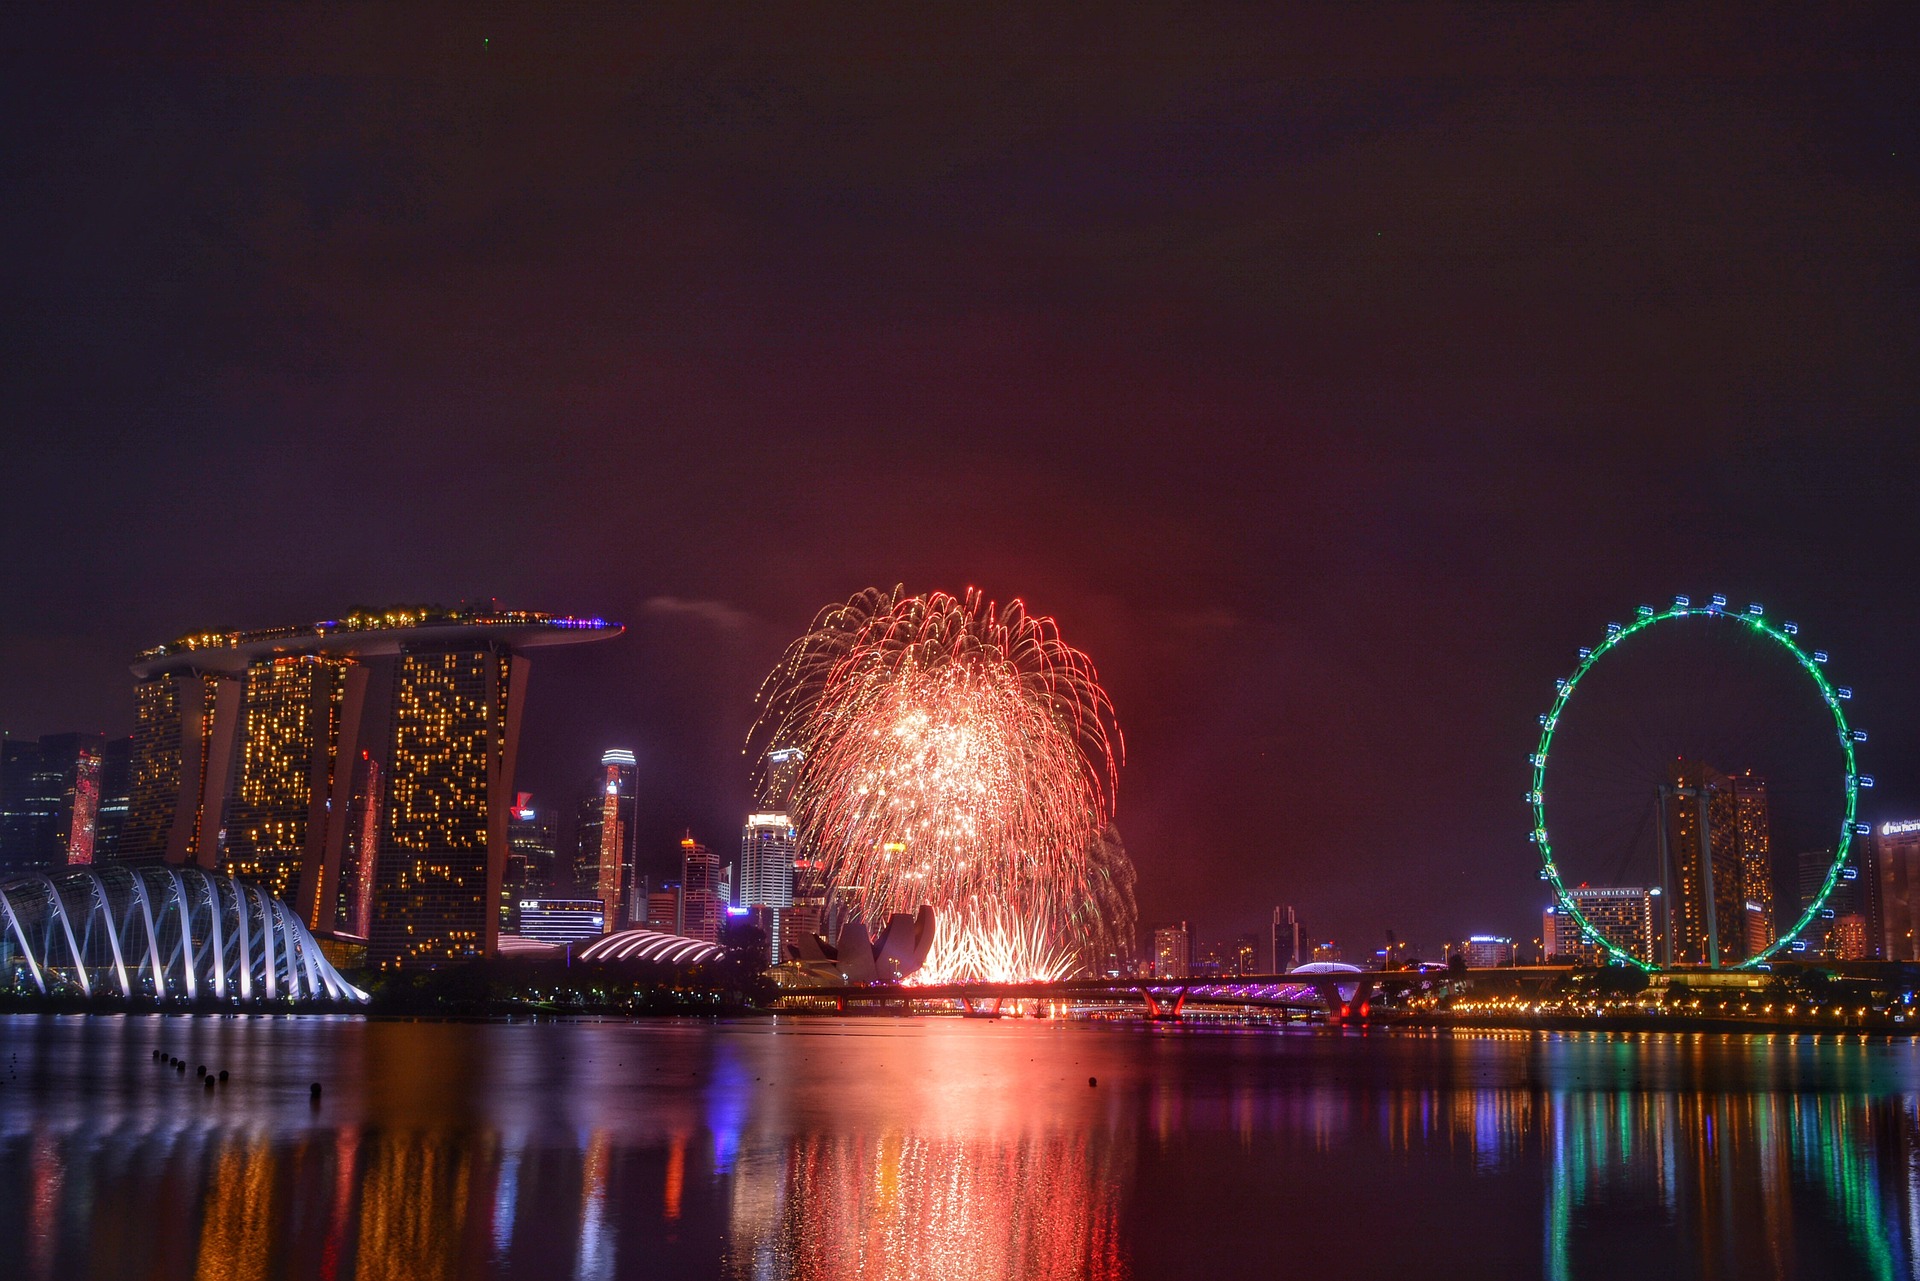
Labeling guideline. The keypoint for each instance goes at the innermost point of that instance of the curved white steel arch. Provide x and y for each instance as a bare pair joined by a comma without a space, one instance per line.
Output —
650,945
125,911
153,936
20,935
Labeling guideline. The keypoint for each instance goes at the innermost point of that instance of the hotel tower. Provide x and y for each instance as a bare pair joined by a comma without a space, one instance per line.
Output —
248,747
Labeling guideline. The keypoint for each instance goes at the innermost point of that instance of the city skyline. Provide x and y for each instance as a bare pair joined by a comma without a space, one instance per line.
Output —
993,642
1741,797
1329,406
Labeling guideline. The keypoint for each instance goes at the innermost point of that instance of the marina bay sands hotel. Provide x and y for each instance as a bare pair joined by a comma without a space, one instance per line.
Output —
361,768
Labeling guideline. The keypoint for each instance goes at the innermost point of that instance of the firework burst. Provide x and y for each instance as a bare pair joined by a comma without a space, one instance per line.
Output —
960,754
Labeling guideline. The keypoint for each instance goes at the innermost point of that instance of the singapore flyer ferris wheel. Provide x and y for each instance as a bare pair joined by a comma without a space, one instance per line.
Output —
1710,762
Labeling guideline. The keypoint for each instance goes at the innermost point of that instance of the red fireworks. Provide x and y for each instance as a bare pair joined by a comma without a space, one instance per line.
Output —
959,754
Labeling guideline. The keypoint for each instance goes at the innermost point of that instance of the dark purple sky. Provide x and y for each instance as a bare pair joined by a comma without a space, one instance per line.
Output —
1330,377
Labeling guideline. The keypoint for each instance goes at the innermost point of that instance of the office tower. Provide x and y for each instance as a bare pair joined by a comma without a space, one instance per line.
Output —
700,901
1758,929
766,861
1810,873
1487,951
561,920
247,746
1716,859
276,828
1622,916
664,908
1286,941
1861,876
613,828
808,889
781,771
72,763
1326,952
758,923
50,802
582,878
1755,842
766,877
1896,852
20,822
809,894
116,780
1173,951
1560,940
530,855
1246,955
1856,893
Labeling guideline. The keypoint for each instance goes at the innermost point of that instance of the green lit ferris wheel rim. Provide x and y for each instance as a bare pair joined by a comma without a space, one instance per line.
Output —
1811,662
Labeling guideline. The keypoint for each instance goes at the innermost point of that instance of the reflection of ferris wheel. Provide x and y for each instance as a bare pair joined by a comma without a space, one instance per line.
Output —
1776,638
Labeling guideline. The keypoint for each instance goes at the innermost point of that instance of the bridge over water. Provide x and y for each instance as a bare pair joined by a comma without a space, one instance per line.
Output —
1339,994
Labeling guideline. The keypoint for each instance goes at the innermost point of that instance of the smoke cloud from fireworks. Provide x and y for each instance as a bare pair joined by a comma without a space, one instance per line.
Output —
960,754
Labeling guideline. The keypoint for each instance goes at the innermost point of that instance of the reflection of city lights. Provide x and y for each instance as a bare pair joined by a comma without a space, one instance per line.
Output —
927,1172
676,1181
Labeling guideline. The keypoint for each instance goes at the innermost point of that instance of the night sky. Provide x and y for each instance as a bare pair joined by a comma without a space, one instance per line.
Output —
1329,377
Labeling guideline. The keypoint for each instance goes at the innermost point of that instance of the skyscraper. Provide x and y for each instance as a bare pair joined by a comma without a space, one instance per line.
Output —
1856,894
276,826
1716,858
186,718
663,908
1896,849
1622,916
116,782
530,855
767,874
50,801
1755,844
1173,951
616,829
248,745
781,771
700,903
20,821
766,861
456,712
1285,951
